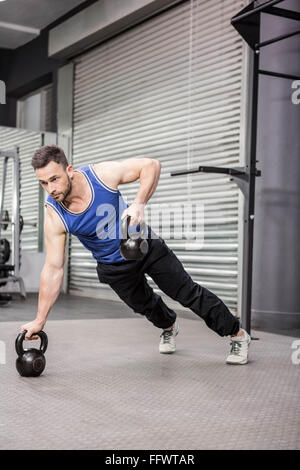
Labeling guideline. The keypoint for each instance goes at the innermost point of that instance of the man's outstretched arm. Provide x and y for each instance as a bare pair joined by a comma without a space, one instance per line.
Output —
52,272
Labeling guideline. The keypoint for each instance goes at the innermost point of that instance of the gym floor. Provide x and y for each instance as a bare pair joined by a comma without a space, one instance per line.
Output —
106,386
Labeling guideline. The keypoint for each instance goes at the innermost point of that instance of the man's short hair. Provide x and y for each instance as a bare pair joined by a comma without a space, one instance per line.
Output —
47,154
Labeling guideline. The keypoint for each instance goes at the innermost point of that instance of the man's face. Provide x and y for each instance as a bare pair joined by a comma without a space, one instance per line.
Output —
56,180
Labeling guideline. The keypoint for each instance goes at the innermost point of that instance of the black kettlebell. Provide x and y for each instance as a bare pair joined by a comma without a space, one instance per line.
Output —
133,246
31,362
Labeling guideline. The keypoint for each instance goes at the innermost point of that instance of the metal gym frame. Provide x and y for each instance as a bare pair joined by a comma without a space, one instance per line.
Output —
248,24
15,220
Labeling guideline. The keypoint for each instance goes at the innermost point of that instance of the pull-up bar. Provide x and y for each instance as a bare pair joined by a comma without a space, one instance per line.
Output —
279,74
283,13
255,10
259,45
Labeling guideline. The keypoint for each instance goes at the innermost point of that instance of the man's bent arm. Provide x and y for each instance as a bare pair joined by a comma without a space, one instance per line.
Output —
148,174
147,170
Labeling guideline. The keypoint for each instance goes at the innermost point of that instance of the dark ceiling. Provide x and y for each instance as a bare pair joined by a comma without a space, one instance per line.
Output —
22,20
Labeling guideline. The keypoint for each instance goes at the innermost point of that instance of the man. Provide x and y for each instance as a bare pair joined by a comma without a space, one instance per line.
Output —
87,203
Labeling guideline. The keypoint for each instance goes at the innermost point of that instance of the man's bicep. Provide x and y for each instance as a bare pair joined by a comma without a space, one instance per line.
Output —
114,173
132,167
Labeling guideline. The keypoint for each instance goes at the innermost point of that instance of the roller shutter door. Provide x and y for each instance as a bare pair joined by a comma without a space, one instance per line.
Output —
171,89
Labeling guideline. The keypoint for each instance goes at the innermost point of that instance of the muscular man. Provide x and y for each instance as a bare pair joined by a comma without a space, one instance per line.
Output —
87,203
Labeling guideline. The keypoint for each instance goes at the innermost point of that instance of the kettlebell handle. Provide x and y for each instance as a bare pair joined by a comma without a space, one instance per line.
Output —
124,227
21,336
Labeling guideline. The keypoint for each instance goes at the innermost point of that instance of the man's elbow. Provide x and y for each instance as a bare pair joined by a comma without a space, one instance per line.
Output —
156,163
54,269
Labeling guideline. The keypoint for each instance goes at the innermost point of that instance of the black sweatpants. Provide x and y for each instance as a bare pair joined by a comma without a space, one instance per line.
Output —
128,280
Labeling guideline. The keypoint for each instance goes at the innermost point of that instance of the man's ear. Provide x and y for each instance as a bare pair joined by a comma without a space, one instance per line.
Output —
70,171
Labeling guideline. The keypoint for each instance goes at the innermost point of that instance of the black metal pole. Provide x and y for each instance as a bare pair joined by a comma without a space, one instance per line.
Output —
259,45
250,205
279,75
209,169
262,7
283,13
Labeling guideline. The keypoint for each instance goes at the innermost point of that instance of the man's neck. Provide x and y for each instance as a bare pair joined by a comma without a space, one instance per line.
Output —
78,191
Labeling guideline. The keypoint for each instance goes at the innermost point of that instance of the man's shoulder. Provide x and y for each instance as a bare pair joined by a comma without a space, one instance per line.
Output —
108,173
106,164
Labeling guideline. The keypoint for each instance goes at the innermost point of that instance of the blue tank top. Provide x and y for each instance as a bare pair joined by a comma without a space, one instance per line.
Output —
98,227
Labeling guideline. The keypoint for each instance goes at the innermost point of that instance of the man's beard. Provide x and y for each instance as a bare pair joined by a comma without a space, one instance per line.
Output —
66,193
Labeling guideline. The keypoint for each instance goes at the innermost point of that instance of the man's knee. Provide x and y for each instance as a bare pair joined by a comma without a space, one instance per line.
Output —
189,293
146,306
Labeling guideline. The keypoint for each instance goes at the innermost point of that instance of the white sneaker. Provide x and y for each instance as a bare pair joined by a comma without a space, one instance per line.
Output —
167,343
239,349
